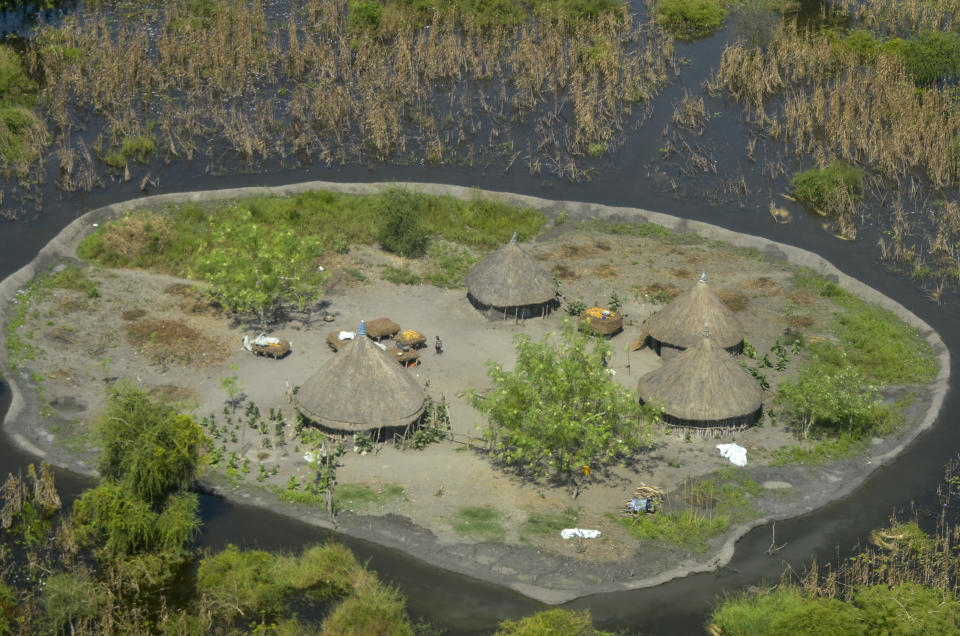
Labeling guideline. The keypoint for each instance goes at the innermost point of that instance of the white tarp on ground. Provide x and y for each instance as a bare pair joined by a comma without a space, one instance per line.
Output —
736,454
569,533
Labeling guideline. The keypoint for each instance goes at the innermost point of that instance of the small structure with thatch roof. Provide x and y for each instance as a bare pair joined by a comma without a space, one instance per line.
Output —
509,282
382,328
361,389
679,325
703,387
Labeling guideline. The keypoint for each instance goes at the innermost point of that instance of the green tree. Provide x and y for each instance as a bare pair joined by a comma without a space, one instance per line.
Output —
139,519
560,410
255,268
832,400
148,448
400,214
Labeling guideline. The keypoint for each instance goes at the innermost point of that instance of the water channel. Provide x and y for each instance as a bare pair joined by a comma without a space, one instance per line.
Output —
465,606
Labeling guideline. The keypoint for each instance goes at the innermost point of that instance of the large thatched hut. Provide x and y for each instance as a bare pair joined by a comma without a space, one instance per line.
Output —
509,282
361,389
703,387
679,325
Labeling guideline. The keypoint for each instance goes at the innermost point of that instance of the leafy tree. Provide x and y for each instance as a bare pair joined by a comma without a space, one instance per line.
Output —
834,400
256,268
560,410
68,597
400,213
148,448
139,519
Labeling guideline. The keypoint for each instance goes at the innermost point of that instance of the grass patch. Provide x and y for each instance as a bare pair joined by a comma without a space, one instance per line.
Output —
479,522
139,148
690,19
705,509
360,498
22,133
871,338
546,523
825,189
400,276
449,265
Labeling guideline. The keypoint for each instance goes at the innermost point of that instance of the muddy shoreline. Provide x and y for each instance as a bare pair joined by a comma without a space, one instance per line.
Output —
547,577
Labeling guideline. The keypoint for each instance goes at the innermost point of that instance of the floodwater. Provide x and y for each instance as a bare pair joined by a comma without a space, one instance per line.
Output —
630,177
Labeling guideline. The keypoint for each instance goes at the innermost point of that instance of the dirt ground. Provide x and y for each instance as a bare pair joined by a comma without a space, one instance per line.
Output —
159,332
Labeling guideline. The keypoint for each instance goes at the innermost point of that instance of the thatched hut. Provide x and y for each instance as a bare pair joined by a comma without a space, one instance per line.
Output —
361,389
509,282
703,387
679,325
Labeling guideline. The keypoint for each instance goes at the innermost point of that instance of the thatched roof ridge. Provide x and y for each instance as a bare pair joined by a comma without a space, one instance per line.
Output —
702,384
510,278
680,323
361,389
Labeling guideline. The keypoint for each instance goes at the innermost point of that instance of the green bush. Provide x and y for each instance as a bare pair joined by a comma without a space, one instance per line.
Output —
400,213
691,18
556,622
909,609
820,188
366,14
15,87
68,597
559,410
930,57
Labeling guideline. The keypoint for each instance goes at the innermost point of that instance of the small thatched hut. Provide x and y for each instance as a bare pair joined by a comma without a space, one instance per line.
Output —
508,282
382,328
679,325
703,387
361,389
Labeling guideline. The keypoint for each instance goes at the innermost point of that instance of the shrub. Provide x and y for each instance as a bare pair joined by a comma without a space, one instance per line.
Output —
556,621
930,57
820,188
69,597
365,14
15,86
399,213
691,18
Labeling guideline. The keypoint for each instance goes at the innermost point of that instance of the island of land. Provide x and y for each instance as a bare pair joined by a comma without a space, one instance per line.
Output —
76,326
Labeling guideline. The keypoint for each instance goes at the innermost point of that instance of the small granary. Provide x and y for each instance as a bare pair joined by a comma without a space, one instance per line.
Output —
679,325
703,387
361,389
508,282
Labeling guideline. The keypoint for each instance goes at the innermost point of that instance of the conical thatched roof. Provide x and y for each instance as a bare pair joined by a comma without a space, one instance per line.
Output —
510,278
680,323
702,384
361,389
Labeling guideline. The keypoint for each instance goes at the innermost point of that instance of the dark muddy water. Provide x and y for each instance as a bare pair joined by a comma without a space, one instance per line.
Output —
637,175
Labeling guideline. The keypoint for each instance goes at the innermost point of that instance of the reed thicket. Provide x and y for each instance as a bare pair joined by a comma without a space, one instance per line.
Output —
235,83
